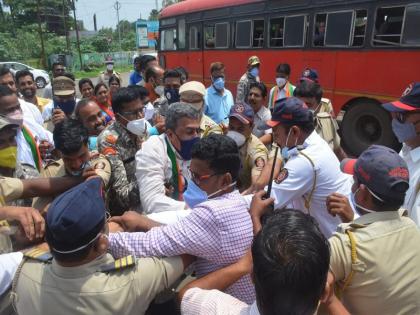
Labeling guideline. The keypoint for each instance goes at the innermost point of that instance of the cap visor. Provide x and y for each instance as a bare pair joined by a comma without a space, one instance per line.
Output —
241,118
64,93
397,106
347,166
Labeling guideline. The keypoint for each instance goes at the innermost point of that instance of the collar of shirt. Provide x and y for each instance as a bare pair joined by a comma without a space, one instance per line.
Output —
212,89
369,218
82,270
415,154
253,310
261,112
178,156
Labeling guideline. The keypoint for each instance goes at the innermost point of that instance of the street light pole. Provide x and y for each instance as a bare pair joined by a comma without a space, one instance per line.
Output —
117,7
77,34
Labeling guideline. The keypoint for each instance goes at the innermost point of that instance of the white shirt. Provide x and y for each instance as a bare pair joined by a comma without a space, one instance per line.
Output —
197,301
30,111
412,196
260,117
153,170
300,179
8,266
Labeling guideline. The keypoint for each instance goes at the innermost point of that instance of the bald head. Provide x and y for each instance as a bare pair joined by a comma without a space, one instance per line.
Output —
155,72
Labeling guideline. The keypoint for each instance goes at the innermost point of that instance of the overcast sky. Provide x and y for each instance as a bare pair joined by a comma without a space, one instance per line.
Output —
106,16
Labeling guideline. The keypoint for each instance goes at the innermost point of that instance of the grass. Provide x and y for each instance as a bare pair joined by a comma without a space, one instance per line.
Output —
94,72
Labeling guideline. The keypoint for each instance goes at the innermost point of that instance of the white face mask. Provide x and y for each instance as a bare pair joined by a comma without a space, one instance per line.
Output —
149,110
139,127
159,90
237,137
281,82
109,67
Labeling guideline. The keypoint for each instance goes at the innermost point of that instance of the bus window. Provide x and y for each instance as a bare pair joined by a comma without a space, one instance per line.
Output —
181,34
294,31
194,37
359,28
388,26
258,33
319,29
276,32
338,28
411,35
209,36
168,39
243,34
222,35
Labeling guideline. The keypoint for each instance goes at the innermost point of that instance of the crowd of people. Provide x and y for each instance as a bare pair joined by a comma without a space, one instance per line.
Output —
169,197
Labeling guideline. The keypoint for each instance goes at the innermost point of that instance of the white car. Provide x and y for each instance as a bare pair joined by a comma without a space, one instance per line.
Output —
41,76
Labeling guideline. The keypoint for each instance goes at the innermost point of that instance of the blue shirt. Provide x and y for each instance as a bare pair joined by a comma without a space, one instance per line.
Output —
135,78
217,106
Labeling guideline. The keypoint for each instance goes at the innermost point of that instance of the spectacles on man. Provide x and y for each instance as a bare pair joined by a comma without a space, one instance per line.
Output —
136,113
198,179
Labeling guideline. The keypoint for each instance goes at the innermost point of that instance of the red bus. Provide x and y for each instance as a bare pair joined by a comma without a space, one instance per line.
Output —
367,55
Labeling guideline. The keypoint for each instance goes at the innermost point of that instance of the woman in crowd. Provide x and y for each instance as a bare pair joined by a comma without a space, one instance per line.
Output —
103,100
86,88
114,85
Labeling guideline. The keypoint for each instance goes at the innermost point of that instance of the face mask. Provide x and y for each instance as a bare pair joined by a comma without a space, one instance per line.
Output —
149,110
194,195
357,207
186,146
16,117
237,137
79,172
92,143
285,151
109,67
172,95
254,72
403,131
67,107
159,90
281,82
139,127
219,84
8,157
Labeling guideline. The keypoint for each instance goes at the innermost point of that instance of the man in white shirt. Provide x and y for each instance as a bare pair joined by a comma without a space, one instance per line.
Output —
406,126
256,98
163,161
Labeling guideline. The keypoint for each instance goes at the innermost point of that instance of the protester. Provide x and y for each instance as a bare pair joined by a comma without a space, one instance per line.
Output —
249,77
172,82
193,93
154,82
325,123
218,100
27,88
58,70
140,66
102,99
105,75
310,75
375,259
119,142
257,97
86,88
81,272
114,85
219,229
283,86
184,74
252,151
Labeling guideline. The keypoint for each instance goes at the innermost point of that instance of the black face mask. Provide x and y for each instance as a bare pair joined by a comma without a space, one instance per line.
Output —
172,95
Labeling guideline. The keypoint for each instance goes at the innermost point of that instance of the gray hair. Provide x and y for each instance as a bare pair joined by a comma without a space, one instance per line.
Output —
82,103
177,111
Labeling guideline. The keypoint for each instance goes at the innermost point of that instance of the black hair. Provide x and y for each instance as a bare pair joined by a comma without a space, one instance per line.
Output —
70,135
283,68
261,86
69,75
84,81
220,152
23,73
5,91
172,74
113,78
291,260
184,73
144,60
123,96
137,59
307,127
98,86
309,89
57,63
140,90
4,71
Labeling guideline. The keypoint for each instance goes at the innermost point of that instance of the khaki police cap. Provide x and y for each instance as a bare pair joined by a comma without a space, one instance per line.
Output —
4,122
63,86
193,86
253,61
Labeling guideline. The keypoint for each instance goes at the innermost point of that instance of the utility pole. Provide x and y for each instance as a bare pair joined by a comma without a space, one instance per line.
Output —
77,34
66,32
94,23
117,7
157,5
43,60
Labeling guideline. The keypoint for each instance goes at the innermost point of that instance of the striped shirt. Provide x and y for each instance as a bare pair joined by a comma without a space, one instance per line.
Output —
218,232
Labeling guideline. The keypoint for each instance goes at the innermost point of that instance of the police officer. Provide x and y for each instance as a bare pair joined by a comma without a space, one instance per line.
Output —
193,93
71,140
81,278
252,75
375,259
325,123
311,171
252,151
109,72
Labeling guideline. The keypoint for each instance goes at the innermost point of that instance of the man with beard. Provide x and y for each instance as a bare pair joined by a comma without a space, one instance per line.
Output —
92,118
27,88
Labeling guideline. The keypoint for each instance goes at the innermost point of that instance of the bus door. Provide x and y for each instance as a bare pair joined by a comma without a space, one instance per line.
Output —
194,59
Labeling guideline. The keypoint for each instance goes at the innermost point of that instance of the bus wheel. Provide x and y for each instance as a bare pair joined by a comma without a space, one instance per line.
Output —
366,123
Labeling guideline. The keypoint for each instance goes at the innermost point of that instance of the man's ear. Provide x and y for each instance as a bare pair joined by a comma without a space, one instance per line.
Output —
227,179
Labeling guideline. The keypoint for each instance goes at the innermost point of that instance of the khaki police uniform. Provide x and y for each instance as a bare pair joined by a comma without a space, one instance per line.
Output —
382,276
254,156
57,169
326,125
103,286
208,126
104,77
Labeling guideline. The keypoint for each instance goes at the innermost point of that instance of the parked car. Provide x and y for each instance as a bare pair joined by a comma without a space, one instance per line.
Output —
41,76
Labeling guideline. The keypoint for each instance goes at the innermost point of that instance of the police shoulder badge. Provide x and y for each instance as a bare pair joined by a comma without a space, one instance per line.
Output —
284,173
259,162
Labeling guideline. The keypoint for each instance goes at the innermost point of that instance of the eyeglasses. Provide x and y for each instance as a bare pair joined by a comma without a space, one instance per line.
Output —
199,178
137,113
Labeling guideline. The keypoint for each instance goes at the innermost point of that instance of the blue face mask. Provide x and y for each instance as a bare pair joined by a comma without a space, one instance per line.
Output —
92,143
219,84
286,151
194,195
67,107
172,95
403,131
254,72
186,147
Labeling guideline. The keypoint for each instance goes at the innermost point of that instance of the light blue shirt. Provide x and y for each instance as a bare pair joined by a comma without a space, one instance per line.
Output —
217,106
